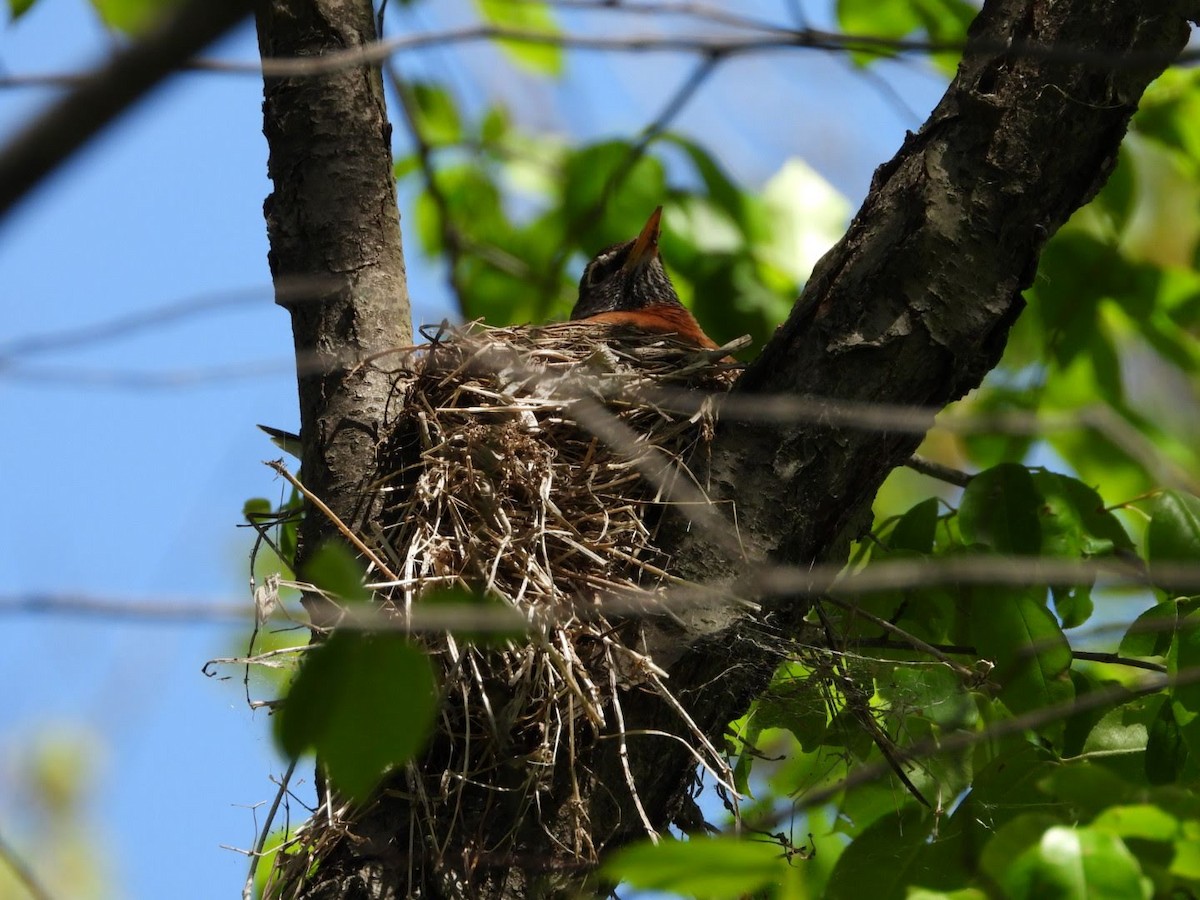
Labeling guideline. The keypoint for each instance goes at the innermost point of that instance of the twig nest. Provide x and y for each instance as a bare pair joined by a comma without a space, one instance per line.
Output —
532,466
529,464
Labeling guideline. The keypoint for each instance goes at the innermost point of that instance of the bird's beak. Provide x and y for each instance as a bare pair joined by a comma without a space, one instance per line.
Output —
645,247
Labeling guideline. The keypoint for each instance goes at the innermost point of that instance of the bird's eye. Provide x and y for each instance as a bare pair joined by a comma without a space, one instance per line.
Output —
602,267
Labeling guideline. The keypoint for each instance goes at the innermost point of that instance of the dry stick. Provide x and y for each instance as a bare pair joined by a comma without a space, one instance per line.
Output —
341,526
699,11
911,639
623,748
774,39
807,38
822,580
256,854
23,873
1115,659
108,91
940,471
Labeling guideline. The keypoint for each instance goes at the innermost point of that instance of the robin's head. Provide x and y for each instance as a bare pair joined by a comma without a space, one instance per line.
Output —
626,276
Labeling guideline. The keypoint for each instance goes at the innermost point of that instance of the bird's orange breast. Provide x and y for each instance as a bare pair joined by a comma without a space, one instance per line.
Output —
658,320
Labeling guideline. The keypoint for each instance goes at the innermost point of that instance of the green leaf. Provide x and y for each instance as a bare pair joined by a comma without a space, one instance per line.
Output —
529,16
944,21
795,704
1075,525
1076,864
722,191
701,867
255,508
1183,663
131,16
495,126
1152,632
915,530
1083,788
606,215
1001,508
1151,823
18,8
1016,631
807,216
989,448
364,703
1075,522
334,570
886,859
405,166
1170,112
932,692
437,115
1166,751
1173,535
1014,837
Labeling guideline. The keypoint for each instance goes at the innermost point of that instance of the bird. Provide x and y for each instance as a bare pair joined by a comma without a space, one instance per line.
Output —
626,284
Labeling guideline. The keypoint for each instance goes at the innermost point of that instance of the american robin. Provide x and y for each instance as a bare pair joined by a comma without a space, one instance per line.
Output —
626,284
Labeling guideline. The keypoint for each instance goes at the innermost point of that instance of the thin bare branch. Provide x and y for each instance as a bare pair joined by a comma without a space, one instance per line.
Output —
109,91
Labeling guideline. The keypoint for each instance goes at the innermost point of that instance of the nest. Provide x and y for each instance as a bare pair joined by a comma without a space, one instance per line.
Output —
531,468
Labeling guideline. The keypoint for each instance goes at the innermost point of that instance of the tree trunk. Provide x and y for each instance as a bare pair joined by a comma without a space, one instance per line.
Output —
912,307
336,256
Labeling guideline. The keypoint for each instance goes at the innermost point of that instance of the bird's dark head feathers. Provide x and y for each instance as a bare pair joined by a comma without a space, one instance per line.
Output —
627,276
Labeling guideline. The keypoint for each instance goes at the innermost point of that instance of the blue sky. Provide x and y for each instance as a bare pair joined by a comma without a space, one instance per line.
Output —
117,491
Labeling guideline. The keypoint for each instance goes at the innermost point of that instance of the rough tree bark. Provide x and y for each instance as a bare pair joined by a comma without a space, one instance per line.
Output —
336,256
912,307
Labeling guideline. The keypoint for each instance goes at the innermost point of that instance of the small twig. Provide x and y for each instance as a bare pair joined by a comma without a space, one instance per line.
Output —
1116,659
623,746
341,526
452,239
257,853
940,471
911,639
55,135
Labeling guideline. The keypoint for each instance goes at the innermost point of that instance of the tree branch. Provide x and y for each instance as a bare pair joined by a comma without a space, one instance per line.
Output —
911,308
103,95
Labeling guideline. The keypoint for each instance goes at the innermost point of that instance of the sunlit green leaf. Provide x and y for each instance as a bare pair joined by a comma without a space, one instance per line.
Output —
1138,821
1173,535
1077,864
932,692
530,17
807,216
1151,632
255,508
132,16
1016,631
943,21
334,570
1014,837
701,867
364,703
437,114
